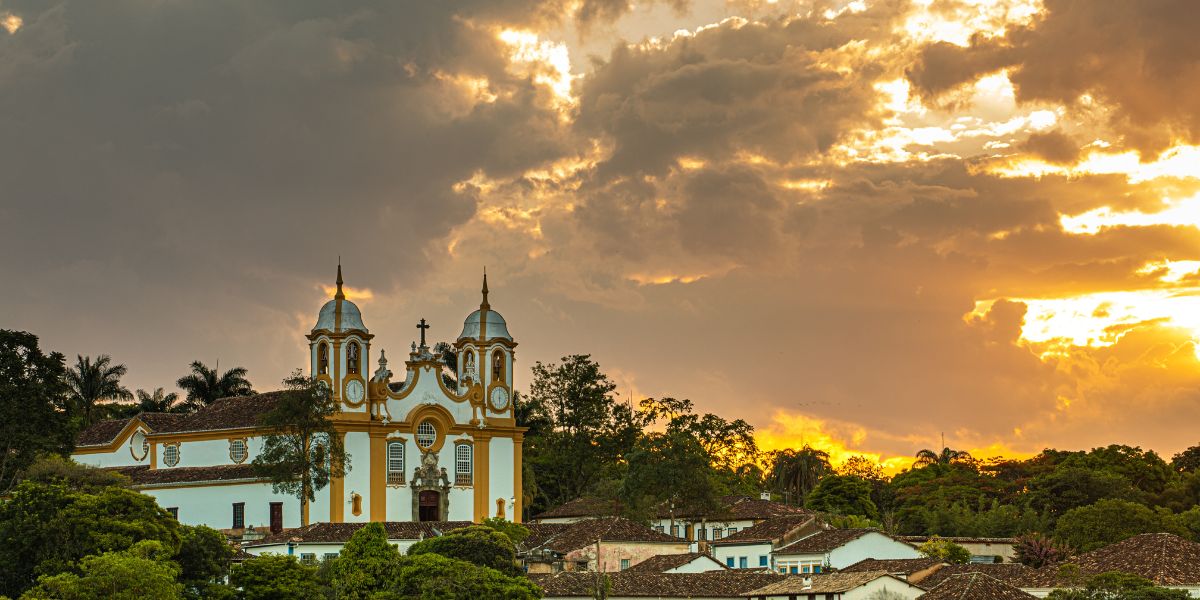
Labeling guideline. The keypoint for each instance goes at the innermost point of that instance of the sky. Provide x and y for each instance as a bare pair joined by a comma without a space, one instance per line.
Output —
857,225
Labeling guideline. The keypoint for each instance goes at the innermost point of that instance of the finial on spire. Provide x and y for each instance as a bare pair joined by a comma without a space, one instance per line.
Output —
340,294
484,305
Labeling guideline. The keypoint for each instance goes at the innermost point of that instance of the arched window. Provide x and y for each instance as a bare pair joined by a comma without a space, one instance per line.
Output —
498,366
463,464
468,367
426,434
352,358
171,454
395,463
323,359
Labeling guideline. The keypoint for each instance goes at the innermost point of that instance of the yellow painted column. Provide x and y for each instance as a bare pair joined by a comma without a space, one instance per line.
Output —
482,475
337,494
378,477
518,477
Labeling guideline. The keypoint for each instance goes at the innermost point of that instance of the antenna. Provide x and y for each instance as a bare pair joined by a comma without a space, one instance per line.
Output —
943,440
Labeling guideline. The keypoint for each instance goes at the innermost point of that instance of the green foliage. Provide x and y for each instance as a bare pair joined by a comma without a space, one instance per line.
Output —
946,456
158,401
142,571
477,544
1108,521
366,563
668,466
33,420
303,451
1070,487
90,383
794,473
49,527
1187,461
204,556
432,576
1118,586
273,577
945,550
56,469
843,495
515,532
578,431
205,386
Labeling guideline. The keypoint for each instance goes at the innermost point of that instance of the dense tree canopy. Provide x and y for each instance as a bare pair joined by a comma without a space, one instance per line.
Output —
33,417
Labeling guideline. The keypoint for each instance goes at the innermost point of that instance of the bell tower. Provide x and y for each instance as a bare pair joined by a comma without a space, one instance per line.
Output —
339,348
485,357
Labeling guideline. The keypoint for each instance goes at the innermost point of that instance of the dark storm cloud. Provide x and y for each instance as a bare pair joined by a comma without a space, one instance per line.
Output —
1141,58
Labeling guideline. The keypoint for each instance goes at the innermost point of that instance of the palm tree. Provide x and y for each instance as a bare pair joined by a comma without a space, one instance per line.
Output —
159,402
946,456
796,472
204,386
91,383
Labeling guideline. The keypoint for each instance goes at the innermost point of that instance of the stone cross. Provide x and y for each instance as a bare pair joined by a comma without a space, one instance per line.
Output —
422,326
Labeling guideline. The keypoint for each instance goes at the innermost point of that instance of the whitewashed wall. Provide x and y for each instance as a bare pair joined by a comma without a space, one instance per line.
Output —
871,545
358,480
752,552
213,505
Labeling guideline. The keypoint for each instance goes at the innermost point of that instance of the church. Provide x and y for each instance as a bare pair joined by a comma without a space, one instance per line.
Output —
423,447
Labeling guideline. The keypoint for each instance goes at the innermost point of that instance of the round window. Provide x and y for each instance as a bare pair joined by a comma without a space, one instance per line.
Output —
426,434
138,445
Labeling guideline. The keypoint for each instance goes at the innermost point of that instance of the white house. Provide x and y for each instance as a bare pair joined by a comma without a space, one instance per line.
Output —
733,514
751,548
866,585
691,562
423,449
321,541
837,549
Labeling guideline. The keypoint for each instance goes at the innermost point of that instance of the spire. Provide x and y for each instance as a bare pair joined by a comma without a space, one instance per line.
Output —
484,305
340,294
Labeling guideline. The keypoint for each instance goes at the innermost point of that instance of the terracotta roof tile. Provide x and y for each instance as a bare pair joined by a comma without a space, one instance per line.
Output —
716,584
921,539
143,475
101,433
1014,574
825,583
974,586
573,536
341,532
735,508
824,541
767,531
665,562
227,413
1164,558
582,507
902,566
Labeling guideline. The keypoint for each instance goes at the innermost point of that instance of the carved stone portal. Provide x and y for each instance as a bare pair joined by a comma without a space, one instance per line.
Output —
430,490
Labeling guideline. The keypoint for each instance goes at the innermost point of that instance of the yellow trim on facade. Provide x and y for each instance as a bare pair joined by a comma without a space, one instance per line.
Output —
518,477
482,473
378,466
337,490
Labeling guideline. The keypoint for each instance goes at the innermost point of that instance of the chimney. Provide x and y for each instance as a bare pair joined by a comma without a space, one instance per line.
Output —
807,582
764,496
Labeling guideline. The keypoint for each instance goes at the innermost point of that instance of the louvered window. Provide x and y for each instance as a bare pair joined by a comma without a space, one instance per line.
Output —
463,464
395,473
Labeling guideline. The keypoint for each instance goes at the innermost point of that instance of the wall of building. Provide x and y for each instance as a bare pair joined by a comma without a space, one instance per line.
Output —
502,476
358,480
752,552
699,565
890,585
609,556
213,505
871,545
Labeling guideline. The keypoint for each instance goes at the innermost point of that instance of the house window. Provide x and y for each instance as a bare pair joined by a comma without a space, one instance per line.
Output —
174,512
308,558
463,464
700,533
237,451
171,454
659,528
742,562
239,515
328,556
729,561
732,530
624,563
395,466
718,533
762,561
426,434
675,531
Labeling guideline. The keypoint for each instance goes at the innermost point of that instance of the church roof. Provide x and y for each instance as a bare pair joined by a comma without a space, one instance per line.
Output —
143,475
496,326
235,412
105,432
351,317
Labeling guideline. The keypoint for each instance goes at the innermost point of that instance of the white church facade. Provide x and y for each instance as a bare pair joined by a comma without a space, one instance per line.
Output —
422,447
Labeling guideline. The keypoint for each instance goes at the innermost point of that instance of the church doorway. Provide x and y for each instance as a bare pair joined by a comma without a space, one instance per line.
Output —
430,505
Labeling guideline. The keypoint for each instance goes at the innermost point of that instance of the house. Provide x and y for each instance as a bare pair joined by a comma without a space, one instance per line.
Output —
975,586
319,541
606,545
982,549
912,570
718,585
731,515
863,585
437,444
692,562
751,548
838,548
1166,559
578,510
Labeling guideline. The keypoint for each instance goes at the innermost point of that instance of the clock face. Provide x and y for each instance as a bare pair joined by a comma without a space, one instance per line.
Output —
354,391
499,398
